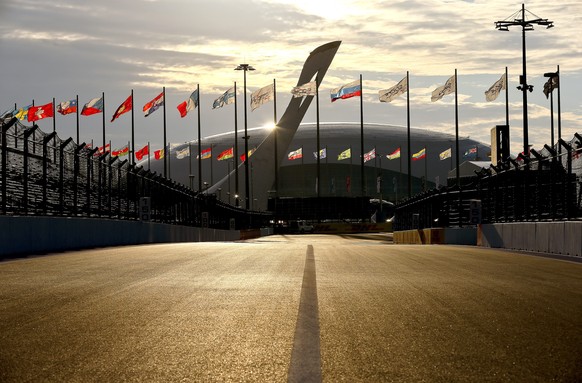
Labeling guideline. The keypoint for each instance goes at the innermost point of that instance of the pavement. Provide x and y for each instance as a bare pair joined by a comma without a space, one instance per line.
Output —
307,308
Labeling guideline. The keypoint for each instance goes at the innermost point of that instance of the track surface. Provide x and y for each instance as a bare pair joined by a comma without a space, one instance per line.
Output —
291,308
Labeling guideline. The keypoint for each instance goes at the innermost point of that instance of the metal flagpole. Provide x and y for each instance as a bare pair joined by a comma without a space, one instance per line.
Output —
165,141
235,163
77,99
317,179
363,183
506,103
457,131
103,112
275,137
133,131
408,154
149,167
199,143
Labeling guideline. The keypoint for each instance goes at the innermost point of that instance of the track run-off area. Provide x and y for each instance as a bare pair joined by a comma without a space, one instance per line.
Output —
303,308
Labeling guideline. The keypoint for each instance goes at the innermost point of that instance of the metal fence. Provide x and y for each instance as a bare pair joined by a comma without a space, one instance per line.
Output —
545,186
42,174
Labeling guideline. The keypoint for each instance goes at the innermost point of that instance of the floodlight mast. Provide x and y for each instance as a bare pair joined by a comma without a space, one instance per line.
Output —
526,25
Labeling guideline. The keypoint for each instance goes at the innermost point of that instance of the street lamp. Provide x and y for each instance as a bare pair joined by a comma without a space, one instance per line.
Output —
526,25
245,68
554,82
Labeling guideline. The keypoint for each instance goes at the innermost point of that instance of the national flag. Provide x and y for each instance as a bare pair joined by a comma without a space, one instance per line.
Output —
262,96
345,154
419,155
492,93
307,89
183,153
22,112
206,153
226,98
153,105
322,154
189,104
370,155
550,85
142,152
394,155
93,107
102,150
67,107
449,87
243,157
159,154
471,151
123,108
352,89
295,154
228,153
576,153
121,152
388,95
446,154
39,112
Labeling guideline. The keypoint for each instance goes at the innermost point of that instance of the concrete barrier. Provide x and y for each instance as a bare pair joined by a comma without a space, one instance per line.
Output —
36,235
573,238
437,236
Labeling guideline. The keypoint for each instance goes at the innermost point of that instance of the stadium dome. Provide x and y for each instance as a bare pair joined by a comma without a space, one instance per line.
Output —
339,177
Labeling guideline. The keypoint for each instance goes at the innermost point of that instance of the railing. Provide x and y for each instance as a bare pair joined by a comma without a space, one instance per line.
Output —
545,186
42,174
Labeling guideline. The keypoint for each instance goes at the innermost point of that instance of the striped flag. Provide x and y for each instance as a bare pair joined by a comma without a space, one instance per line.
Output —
394,155
419,155
93,107
189,104
153,105
295,155
228,153
353,89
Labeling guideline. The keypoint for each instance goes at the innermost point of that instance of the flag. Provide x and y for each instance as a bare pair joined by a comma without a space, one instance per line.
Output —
352,89
159,154
243,157
307,89
67,107
345,154
206,153
419,155
394,155
121,152
102,150
322,154
142,152
370,155
93,107
295,155
262,96
228,153
446,154
441,91
492,93
471,151
550,85
39,112
388,95
226,98
189,104
22,112
123,108
183,153
153,105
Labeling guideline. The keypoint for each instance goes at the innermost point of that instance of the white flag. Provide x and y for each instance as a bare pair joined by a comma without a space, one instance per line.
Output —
262,96
388,95
441,91
496,88
308,89
183,153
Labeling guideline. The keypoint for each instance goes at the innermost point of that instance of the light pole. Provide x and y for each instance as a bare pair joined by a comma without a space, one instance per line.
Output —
526,25
245,68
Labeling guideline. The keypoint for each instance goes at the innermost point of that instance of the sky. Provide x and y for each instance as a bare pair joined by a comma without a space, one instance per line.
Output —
66,48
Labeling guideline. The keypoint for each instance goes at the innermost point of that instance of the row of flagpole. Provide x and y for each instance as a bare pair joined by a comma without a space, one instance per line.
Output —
258,98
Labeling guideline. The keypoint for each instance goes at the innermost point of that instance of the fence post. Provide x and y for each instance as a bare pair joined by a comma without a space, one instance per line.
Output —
45,160
62,174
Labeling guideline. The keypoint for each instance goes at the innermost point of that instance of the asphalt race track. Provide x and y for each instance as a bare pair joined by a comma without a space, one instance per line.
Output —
291,308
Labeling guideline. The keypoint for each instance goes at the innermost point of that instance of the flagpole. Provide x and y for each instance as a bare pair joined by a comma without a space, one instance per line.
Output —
317,180
133,131
149,167
507,103
363,183
103,112
190,165
235,163
164,147
77,99
399,175
211,175
457,131
408,135
199,143
275,137
54,117
425,168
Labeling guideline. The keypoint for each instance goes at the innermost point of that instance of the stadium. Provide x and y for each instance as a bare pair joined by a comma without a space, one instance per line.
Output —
297,176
